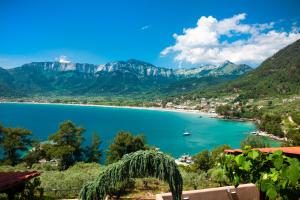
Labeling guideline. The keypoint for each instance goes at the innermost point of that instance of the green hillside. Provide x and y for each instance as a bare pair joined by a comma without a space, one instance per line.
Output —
278,75
132,78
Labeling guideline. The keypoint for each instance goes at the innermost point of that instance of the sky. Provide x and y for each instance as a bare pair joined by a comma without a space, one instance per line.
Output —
168,33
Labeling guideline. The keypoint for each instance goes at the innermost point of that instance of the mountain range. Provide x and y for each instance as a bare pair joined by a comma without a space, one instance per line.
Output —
277,75
119,77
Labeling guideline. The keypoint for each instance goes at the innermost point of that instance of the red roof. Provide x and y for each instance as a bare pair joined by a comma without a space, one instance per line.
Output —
286,150
10,179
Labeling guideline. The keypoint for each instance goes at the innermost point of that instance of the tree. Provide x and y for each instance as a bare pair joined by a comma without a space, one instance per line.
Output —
35,154
254,142
13,141
202,160
271,123
139,164
124,143
93,153
67,144
225,110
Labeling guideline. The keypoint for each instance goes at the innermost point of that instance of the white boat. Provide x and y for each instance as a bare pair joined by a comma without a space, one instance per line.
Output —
186,133
254,132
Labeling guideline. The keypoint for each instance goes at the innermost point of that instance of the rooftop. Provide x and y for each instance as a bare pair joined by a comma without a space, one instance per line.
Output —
11,179
292,151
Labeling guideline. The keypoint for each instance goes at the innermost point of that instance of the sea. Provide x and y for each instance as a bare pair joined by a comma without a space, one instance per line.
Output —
162,129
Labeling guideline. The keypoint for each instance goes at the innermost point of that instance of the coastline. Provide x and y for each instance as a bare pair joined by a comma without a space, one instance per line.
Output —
273,137
222,117
212,115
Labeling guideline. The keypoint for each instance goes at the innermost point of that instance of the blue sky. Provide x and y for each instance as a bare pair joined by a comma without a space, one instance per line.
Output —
101,31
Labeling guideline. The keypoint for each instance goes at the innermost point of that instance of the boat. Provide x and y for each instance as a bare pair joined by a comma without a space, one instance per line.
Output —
186,133
254,133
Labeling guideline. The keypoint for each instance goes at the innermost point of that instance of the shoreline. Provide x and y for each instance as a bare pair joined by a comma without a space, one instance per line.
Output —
222,117
265,134
212,115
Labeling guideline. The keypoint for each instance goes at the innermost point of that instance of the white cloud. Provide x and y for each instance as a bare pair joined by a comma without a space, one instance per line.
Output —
145,27
62,59
213,41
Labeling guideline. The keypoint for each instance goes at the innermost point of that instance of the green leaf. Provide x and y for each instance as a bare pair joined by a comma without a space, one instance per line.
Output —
284,183
253,154
274,177
278,152
293,174
240,159
246,165
270,157
236,180
265,176
278,163
265,185
271,193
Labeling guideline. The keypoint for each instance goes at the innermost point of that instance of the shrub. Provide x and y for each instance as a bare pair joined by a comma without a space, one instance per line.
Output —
67,184
275,174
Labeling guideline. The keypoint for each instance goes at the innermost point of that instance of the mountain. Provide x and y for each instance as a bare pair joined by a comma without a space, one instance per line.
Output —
113,78
139,68
195,72
226,69
277,75
229,68
79,79
5,83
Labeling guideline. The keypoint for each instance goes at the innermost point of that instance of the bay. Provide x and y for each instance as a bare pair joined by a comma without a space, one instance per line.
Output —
162,129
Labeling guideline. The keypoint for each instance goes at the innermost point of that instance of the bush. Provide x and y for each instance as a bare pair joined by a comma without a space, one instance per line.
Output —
275,174
44,166
67,184
122,188
218,175
202,160
193,180
9,168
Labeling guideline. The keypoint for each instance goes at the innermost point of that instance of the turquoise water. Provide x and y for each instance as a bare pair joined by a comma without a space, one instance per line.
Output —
162,129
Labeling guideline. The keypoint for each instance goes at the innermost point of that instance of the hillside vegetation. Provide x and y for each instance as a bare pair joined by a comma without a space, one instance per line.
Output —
276,76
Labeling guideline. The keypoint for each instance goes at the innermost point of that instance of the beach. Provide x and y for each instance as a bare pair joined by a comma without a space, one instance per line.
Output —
124,107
